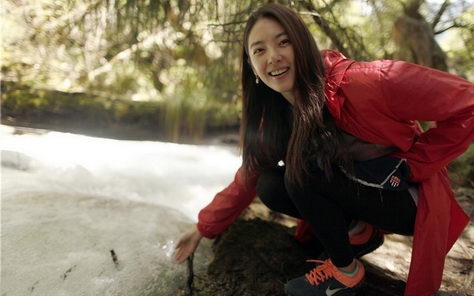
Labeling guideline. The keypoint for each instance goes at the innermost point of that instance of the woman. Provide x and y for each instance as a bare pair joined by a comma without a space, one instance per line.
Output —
330,140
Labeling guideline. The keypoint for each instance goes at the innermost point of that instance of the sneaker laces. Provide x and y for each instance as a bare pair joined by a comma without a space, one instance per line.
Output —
320,273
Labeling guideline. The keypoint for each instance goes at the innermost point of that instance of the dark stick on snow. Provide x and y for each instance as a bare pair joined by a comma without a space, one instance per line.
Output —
189,283
114,257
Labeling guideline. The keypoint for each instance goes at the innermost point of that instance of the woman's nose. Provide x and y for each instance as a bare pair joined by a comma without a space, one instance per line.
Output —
274,56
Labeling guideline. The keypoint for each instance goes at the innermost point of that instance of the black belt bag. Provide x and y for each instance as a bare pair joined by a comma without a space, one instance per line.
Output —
385,172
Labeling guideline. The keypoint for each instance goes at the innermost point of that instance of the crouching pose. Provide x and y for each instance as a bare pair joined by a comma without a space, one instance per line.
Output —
330,141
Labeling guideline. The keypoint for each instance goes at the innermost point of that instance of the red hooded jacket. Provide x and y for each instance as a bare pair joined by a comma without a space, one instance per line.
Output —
381,102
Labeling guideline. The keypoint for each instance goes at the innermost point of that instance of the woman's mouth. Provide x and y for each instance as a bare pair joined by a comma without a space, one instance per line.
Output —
279,72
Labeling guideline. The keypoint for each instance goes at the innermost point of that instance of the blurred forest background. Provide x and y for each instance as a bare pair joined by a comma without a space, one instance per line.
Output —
169,69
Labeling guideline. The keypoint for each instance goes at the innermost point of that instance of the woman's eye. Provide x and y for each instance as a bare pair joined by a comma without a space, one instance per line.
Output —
285,42
257,51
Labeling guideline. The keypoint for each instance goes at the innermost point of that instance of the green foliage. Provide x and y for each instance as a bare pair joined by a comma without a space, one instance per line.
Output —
174,64
462,169
175,121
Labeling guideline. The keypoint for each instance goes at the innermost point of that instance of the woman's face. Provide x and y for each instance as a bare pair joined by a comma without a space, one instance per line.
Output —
272,57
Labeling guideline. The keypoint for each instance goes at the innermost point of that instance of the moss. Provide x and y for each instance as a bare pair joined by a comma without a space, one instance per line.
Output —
462,168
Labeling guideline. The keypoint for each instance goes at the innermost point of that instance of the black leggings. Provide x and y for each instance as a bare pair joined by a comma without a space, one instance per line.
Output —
329,206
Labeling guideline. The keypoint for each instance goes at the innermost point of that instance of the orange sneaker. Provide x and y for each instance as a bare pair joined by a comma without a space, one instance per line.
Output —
326,280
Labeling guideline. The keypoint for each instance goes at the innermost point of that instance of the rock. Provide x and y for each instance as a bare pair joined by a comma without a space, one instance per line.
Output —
58,243
256,257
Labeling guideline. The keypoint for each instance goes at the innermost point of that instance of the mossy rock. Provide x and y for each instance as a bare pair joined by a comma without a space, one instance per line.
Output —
256,257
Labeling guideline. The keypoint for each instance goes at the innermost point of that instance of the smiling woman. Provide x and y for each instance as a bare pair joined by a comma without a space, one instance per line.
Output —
337,144
272,57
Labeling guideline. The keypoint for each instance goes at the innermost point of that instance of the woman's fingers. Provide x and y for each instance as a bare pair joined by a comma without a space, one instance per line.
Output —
187,244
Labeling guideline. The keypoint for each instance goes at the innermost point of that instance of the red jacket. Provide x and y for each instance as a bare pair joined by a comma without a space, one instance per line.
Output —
381,102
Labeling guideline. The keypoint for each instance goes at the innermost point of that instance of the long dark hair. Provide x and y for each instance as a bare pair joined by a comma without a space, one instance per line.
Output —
271,129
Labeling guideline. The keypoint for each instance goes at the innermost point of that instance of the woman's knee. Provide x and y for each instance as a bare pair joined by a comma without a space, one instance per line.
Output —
272,192
269,185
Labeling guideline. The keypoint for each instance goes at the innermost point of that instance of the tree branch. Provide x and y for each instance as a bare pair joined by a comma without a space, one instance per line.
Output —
454,25
438,16
321,22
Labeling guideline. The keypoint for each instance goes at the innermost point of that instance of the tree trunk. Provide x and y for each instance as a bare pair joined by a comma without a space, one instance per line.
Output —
415,39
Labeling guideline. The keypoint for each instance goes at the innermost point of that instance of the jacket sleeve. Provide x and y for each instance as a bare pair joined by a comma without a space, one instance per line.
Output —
227,205
419,93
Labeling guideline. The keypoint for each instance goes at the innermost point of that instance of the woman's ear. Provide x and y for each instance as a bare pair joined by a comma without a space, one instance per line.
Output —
252,68
257,79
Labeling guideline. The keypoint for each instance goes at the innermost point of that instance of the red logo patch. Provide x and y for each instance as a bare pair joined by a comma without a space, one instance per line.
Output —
394,181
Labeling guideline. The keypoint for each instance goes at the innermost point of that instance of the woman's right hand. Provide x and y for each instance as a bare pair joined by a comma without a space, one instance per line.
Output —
187,244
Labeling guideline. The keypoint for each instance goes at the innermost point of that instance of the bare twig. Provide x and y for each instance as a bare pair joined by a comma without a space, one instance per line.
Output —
321,22
454,25
114,258
190,281
438,16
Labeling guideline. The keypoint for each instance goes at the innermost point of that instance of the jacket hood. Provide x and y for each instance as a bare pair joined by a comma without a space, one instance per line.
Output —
335,66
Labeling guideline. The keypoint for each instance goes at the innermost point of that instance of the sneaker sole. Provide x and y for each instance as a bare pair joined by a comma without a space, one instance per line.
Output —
360,291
